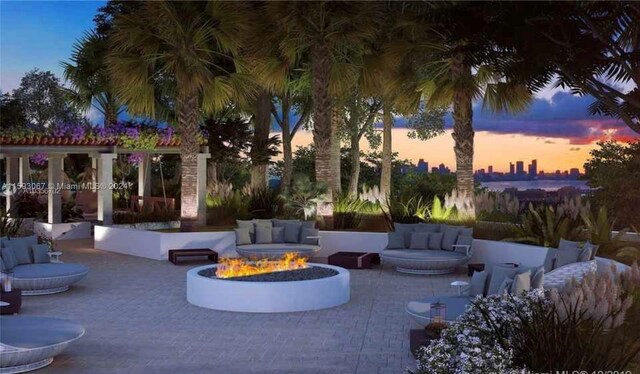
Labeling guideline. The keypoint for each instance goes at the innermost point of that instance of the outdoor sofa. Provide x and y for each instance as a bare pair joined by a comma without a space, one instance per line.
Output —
425,248
31,268
568,261
29,343
272,238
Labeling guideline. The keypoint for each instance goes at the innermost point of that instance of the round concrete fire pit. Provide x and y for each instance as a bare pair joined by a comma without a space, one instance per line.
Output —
330,289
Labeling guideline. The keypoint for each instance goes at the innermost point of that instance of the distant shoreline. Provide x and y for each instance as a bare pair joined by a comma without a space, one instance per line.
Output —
542,184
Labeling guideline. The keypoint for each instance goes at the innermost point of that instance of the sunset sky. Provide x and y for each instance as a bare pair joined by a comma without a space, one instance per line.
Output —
557,130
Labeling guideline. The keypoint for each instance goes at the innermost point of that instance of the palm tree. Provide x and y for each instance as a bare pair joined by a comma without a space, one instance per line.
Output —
89,78
182,51
324,30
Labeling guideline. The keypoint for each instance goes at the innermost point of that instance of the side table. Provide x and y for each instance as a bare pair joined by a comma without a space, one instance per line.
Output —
354,260
13,299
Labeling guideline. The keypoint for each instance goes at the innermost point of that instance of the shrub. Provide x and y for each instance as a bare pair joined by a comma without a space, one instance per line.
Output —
497,207
544,226
132,218
305,196
405,210
348,212
439,212
227,210
9,226
265,203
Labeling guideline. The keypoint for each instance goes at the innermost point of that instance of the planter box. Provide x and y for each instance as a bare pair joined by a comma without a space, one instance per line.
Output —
150,225
63,231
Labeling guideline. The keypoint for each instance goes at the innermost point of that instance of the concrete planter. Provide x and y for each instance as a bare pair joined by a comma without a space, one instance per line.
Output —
63,231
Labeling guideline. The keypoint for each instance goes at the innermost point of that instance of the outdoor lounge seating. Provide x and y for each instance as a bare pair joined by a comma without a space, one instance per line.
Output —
428,248
259,239
29,343
32,270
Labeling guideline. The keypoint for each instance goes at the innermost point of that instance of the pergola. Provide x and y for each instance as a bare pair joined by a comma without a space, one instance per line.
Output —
16,157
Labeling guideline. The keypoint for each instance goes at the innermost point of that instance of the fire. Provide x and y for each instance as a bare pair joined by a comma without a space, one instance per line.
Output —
239,267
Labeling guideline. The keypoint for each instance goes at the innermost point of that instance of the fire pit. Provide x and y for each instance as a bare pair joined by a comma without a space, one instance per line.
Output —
287,285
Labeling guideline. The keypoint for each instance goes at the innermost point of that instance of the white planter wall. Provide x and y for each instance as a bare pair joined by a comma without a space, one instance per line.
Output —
156,245
489,251
63,231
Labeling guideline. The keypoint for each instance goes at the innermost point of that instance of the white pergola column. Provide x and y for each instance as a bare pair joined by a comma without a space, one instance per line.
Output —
17,171
105,193
201,178
54,192
144,175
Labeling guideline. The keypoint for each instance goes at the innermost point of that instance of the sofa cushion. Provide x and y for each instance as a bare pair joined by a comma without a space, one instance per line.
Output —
412,254
449,237
243,236
435,241
292,232
48,270
21,252
1,264
419,240
307,236
521,283
249,225
566,256
537,279
586,252
277,235
308,224
466,231
498,273
406,229
559,277
264,222
463,240
40,253
395,240
550,259
505,286
568,244
9,258
263,234
283,222
427,227
2,240
478,283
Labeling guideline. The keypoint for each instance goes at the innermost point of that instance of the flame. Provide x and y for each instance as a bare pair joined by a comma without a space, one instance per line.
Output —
239,267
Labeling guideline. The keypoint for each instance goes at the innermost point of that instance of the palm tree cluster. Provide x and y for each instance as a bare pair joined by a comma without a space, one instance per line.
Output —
339,67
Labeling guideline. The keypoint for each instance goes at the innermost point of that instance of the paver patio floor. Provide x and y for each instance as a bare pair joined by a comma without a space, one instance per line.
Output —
137,320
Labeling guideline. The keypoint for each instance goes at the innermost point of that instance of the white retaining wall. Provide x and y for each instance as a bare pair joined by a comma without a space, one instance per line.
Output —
63,231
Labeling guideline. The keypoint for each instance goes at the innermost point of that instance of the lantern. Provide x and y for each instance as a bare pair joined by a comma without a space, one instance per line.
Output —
7,276
438,312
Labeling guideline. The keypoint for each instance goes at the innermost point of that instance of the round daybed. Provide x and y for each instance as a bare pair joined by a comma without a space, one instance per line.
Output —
47,278
424,261
30,343
276,250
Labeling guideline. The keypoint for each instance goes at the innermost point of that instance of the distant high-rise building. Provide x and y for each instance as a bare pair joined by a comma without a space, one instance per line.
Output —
519,167
574,172
533,169
490,169
434,170
512,168
423,166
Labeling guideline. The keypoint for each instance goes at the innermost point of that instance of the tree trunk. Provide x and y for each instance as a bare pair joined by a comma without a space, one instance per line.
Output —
335,151
260,146
385,174
355,165
463,129
188,117
321,73
287,158
110,115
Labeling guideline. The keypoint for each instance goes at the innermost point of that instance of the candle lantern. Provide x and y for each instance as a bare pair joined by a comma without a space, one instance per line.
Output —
438,312
7,277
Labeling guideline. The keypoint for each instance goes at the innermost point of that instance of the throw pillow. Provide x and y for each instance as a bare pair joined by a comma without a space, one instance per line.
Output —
467,231
28,240
308,224
566,256
40,253
306,236
537,279
521,283
277,234
463,240
419,240
249,225
427,227
478,283
435,241
550,259
283,222
21,251
395,240
498,274
449,238
9,259
1,264
264,222
585,253
263,234
568,244
292,232
243,236
505,286
406,229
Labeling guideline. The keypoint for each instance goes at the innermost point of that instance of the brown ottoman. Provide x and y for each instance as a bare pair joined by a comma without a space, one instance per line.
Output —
354,260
